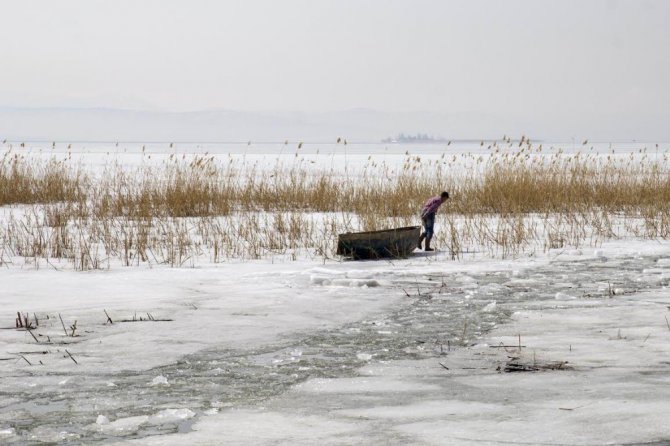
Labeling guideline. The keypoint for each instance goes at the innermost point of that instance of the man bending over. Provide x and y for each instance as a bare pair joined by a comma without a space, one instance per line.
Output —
428,218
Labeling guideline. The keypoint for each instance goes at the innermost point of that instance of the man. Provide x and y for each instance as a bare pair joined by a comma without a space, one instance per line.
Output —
428,217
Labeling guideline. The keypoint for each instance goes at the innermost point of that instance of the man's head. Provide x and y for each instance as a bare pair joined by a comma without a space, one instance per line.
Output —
444,196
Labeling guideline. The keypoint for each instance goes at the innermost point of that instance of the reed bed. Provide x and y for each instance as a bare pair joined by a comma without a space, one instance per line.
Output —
202,209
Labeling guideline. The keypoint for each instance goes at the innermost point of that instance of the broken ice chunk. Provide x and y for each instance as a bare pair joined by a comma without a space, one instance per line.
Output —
8,432
171,416
160,381
102,420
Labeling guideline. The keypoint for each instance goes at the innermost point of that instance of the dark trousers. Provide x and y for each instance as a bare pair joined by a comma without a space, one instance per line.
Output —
428,224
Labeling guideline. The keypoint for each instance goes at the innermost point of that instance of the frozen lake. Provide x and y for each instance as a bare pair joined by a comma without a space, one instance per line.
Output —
420,311
317,350
325,154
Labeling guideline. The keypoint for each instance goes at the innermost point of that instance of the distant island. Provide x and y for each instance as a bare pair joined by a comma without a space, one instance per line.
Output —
418,138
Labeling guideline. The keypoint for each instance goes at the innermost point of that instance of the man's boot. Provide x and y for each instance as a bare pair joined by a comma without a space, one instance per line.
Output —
421,237
428,248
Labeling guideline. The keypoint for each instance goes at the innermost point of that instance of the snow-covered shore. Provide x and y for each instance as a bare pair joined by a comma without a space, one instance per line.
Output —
599,313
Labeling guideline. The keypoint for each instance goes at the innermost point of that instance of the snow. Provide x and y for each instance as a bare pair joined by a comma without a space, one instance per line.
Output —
309,351
613,388
230,304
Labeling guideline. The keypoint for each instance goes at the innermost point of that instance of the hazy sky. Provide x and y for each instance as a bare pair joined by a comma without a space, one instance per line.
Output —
585,56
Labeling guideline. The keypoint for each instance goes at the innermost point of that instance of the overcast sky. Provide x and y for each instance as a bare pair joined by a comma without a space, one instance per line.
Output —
523,57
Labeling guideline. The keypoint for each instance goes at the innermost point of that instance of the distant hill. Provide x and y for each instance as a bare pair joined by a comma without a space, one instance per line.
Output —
361,125
356,125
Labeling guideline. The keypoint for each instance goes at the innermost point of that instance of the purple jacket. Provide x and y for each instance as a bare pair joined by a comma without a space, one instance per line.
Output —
431,206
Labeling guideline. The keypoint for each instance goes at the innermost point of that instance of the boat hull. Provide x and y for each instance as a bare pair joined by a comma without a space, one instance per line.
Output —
397,242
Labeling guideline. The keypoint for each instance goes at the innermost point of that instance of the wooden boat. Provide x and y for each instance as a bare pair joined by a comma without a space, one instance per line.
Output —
398,242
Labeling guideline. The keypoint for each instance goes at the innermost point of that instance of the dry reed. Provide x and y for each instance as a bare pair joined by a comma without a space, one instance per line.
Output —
189,209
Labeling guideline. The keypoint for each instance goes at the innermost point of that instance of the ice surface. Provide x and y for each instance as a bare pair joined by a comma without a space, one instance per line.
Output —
564,296
392,378
362,386
612,389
